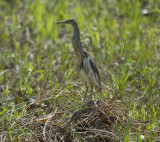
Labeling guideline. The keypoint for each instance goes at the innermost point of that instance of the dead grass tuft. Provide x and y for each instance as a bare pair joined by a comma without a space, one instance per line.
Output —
64,119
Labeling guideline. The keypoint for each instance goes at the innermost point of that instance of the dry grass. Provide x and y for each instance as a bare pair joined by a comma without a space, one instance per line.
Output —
67,120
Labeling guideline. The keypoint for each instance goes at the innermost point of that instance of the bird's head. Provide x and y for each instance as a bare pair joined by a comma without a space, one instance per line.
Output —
67,21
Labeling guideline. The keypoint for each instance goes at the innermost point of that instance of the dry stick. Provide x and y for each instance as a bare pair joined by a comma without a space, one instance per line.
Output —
44,129
96,131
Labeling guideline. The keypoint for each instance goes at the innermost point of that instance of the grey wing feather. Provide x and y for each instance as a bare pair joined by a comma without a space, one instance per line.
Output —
92,72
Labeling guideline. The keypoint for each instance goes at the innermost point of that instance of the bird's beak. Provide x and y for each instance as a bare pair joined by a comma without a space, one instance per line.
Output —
61,22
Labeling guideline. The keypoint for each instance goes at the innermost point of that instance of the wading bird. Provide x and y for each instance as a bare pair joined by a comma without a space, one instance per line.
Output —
86,67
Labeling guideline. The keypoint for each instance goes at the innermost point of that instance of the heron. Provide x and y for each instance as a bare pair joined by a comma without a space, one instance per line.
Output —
86,66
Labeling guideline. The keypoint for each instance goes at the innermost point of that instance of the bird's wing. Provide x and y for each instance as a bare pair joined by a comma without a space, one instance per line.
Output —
92,72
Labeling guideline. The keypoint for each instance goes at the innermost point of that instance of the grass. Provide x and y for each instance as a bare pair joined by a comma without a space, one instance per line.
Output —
36,55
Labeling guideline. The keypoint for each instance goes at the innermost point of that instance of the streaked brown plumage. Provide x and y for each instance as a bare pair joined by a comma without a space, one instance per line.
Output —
87,68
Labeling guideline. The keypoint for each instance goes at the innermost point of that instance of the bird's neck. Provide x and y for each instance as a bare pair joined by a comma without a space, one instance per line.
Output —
76,41
76,36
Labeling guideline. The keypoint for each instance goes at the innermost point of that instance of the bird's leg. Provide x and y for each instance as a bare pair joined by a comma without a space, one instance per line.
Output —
86,91
91,91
